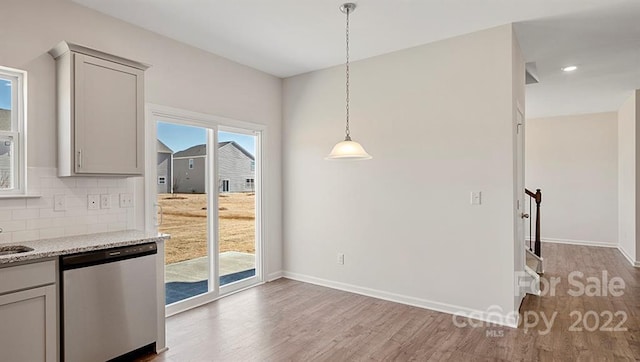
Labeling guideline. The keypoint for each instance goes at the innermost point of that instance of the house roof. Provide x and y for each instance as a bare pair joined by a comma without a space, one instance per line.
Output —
233,143
197,150
201,150
162,148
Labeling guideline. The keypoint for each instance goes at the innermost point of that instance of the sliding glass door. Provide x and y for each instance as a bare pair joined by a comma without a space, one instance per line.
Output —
208,189
184,197
236,208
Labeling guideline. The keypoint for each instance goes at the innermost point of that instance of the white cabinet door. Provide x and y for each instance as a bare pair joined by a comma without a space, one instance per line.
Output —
28,326
109,117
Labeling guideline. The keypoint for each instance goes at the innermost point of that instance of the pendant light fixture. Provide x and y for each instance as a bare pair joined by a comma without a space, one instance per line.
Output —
348,149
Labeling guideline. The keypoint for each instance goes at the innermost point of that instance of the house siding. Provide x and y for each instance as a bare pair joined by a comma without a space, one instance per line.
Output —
5,120
5,171
164,170
235,166
5,158
187,180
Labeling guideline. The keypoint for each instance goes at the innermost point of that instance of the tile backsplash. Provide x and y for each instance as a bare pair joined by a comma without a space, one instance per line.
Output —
35,218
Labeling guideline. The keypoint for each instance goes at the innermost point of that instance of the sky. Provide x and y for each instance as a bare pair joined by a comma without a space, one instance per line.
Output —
5,94
180,137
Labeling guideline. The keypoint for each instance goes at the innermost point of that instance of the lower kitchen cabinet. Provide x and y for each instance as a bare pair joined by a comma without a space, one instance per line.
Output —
29,317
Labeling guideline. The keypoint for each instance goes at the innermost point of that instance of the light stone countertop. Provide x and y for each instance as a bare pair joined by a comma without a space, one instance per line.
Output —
47,248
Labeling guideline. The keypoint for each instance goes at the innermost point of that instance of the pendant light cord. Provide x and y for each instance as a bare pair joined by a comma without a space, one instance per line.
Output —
347,131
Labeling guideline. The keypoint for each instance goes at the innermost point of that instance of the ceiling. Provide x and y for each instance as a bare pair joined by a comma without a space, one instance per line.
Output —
604,44
289,37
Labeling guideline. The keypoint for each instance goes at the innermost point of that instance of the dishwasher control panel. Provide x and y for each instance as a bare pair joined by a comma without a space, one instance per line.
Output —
96,257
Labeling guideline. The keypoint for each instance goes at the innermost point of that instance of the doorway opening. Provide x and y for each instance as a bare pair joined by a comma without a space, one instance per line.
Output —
210,209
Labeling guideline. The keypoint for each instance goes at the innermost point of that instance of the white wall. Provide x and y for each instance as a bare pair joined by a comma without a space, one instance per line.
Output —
438,120
573,160
628,146
180,76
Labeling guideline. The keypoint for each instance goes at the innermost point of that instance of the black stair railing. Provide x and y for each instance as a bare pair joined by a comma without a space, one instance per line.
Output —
537,198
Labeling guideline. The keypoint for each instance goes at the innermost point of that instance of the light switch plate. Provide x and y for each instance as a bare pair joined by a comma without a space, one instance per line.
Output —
476,197
59,203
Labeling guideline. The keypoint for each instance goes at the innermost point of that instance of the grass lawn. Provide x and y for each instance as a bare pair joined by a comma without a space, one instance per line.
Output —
184,217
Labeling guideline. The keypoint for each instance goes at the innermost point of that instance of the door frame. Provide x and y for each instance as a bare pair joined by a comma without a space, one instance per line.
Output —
519,209
155,113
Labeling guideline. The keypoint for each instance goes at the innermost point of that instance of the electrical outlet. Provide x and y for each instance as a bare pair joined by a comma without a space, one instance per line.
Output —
340,258
105,201
59,203
126,200
93,202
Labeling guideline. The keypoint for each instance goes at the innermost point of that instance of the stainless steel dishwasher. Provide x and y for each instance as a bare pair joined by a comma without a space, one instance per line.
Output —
109,303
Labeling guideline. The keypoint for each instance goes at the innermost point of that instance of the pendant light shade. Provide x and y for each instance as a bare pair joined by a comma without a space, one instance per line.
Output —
348,149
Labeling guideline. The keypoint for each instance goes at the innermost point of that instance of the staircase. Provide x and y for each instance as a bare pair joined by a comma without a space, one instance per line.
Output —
534,263
534,260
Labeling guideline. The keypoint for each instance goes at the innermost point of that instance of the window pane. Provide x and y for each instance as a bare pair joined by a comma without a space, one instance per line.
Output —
237,207
5,104
6,162
183,196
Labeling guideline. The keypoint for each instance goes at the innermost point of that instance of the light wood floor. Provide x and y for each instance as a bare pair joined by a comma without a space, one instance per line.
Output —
287,320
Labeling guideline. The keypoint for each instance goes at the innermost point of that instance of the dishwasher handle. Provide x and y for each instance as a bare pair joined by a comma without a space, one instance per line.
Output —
90,258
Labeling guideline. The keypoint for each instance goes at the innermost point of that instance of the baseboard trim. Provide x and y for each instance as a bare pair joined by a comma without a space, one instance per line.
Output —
494,315
274,276
599,244
628,257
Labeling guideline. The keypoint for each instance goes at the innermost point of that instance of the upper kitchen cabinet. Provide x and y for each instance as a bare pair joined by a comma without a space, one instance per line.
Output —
100,112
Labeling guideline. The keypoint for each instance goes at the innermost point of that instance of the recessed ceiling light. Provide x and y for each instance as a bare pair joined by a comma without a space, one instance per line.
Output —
569,68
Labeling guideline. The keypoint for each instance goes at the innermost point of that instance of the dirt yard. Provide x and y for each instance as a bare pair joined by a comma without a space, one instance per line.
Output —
185,218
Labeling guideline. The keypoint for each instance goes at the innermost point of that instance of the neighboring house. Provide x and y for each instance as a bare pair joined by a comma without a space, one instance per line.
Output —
5,148
165,160
5,165
5,119
236,171
189,170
